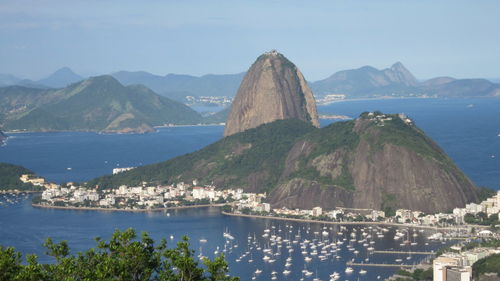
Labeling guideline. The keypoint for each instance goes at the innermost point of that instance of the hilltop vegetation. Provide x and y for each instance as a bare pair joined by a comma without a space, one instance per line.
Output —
9,178
228,162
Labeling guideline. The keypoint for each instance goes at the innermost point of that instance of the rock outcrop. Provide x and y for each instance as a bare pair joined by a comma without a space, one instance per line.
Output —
272,89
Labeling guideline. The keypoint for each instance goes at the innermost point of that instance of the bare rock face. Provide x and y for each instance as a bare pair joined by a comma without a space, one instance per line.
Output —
272,89
390,166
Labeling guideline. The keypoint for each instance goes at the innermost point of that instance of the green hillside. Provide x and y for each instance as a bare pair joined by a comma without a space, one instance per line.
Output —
101,104
258,153
9,177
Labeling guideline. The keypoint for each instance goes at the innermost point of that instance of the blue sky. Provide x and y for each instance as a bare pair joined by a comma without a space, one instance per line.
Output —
432,38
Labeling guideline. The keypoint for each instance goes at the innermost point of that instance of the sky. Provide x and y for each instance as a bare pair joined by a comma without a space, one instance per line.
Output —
430,37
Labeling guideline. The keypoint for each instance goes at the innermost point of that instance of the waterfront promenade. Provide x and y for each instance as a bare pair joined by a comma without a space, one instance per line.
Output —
354,223
125,210
349,263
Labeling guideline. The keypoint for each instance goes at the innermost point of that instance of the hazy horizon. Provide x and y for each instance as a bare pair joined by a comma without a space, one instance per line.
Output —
446,38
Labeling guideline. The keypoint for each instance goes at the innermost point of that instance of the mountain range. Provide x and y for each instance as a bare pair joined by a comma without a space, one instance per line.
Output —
176,86
59,79
98,104
368,82
364,82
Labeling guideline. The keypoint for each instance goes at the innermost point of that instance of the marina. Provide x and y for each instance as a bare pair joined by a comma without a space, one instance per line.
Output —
261,249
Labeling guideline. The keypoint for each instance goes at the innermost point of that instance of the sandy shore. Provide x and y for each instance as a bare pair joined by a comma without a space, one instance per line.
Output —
354,223
124,210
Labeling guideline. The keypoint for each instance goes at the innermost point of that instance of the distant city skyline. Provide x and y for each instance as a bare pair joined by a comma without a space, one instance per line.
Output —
431,38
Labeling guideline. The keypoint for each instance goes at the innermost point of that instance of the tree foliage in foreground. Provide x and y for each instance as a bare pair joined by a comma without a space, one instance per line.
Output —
123,258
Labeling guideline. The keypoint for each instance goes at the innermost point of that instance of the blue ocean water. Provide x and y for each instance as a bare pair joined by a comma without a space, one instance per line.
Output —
26,228
89,155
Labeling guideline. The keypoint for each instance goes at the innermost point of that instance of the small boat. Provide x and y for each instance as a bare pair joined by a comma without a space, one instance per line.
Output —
349,270
362,271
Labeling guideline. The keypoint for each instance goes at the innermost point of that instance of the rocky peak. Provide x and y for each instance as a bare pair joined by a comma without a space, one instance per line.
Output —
399,74
273,89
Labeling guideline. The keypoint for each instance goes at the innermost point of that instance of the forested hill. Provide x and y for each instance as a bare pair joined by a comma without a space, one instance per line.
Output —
9,177
98,104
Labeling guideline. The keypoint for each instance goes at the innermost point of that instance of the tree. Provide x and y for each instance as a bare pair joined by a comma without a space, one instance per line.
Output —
123,258
482,216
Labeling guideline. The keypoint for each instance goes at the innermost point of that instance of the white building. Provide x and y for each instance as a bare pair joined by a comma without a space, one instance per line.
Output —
459,273
317,211
442,262
266,207
119,170
199,193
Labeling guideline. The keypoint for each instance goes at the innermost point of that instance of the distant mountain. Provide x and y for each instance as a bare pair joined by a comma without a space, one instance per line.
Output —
218,117
99,104
32,84
376,161
368,82
8,79
178,86
60,78
365,81
463,88
273,88
437,81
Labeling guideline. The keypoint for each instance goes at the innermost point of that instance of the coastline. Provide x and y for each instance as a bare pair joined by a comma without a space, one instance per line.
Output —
253,216
192,125
10,191
111,133
377,98
352,223
125,210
